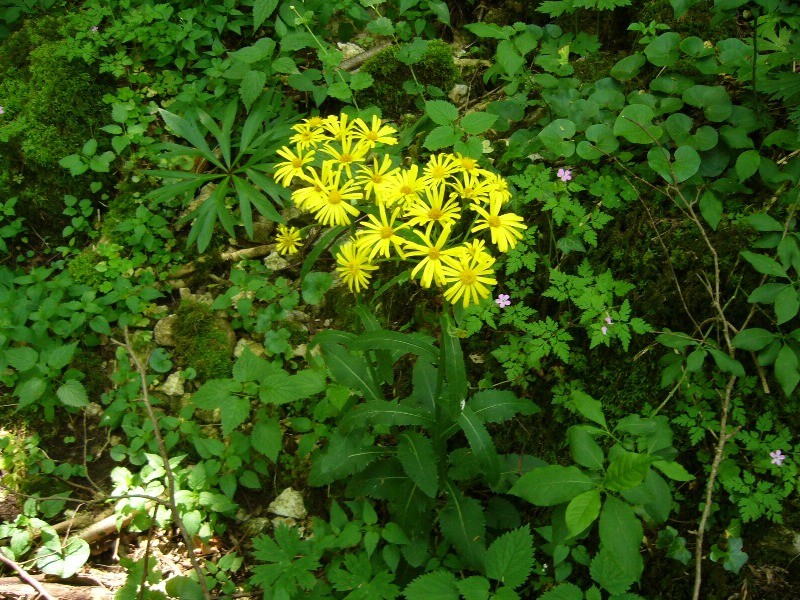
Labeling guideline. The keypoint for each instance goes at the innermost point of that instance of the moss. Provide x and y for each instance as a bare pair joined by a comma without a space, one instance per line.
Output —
81,267
200,343
436,68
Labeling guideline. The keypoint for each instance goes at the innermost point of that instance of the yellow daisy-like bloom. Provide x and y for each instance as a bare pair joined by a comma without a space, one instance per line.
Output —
498,187
469,278
375,134
373,179
338,127
403,186
470,187
347,156
439,168
433,210
333,207
381,234
505,229
354,266
288,239
432,254
477,249
293,167
307,136
467,164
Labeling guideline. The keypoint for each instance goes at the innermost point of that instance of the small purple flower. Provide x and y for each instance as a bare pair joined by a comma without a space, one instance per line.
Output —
608,320
95,28
564,174
503,300
604,329
2,110
777,457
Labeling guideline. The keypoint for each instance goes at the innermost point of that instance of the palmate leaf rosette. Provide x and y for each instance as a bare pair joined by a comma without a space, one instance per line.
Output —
443,218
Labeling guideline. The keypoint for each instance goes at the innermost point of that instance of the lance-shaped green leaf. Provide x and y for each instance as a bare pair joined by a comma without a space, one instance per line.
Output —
382,356
325,242
627,470
619,563
346,453
381,480
481,443
764,264
189,131
726,363
464,525
350,370
589,407
551,485
673,470
396,342
585,450
753,339
424,377
496,406
415,453
454,368
787,369
382,412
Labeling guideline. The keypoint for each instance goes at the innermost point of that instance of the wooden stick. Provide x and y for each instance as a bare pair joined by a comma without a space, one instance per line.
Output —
26,578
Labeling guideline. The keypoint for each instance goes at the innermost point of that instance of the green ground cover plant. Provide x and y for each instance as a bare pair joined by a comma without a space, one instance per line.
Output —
401,298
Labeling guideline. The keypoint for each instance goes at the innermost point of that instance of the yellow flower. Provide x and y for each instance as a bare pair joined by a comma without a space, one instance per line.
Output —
431,264
403,186
307,135
354,266
469,278
505,229
333,204
288,239
498,187
439,168
435,210
374,134
373,179
467,164
293,167
338,127
347,156
470,187
381,234
477,249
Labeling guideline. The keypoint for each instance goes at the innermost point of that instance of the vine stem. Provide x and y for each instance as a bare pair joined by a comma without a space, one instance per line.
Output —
712,477
162,448
23,574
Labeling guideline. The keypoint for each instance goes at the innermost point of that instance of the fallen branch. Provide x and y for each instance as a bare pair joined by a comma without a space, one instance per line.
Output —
23,574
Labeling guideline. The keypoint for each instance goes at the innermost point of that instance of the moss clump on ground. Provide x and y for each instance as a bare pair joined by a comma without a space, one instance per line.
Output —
81,267
200,343
436,68
51,108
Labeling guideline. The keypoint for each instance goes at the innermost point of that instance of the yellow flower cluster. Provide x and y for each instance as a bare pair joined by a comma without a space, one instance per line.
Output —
336,172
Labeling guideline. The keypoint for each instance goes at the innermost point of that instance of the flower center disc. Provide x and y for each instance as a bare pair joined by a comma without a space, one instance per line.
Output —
386,232
493,221
334,197
467,277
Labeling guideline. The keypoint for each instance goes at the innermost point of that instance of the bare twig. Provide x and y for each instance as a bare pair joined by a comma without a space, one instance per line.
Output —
23,574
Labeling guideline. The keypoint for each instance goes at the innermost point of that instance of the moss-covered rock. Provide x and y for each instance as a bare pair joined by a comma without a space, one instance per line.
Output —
202,341
436,68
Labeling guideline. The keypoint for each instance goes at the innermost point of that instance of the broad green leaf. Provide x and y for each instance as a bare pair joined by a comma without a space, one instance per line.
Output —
621,537
63,561
72,393
764,264
766,294
585,450
481,444
262,10
214,393
711,208
181,586
635,124
763,222
551,485
753,339
497,406
464,525
350,370
488,30
627,470
441,112
508,58
234,413
509,559
160,361
629,67
477,122
747,164
454,368
443,136
563,591
314,286
22,358
787,304
787,369
415,453
663,51
30,391
726,363
588,407
267,438
582,511
251,87
714,101
673,470
555,135
436,585
60,356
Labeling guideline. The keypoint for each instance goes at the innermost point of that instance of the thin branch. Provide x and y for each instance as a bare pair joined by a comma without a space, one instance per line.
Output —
24,576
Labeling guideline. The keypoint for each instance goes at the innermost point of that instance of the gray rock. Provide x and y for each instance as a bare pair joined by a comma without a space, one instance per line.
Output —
162,332
289,503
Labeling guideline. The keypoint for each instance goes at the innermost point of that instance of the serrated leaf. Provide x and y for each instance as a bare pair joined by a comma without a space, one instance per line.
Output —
437,585
509,559
477,122
21,358
251,87
582,511
72,393
350,370
61,356
441,112
443,136
267,438
262,9
234,413
627,470
415,452
30,391
564,591
551,485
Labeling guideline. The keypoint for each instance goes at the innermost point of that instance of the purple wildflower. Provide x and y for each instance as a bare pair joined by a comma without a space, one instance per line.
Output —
777,457
564,174
503,300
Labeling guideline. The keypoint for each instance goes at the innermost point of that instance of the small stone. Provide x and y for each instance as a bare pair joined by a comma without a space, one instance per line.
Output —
262,230
275,262
173,386
349,50
254,347
162,332
289,503
459,93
